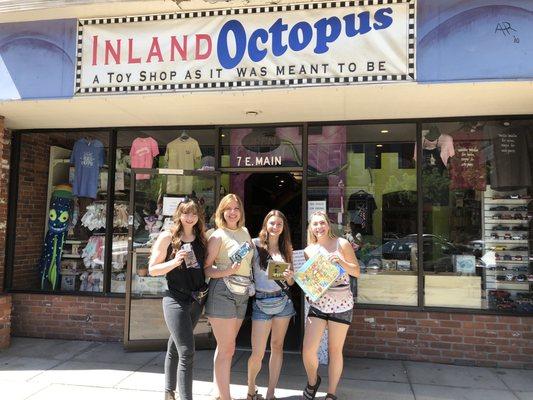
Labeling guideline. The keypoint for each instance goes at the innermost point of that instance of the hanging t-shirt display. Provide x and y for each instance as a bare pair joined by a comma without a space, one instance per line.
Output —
511,163
361,207
182,153
88,157
142,153
467,167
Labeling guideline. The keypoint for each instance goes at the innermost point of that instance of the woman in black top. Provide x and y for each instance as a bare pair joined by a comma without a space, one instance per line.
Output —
185,276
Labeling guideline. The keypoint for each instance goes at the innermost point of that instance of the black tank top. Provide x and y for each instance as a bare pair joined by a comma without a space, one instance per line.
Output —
182,280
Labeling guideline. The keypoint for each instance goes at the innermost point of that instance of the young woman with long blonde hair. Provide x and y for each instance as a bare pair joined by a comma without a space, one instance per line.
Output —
228,295
333,309
179,254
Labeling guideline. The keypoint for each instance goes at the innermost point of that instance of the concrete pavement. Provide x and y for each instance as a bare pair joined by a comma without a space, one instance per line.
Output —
40,369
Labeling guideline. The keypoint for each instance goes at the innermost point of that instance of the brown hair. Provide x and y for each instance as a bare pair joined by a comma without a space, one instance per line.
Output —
223,205
185,207
311,238
285,244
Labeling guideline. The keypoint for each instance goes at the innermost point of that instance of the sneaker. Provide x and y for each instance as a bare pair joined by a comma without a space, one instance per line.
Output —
500,208
518,216
521,278
530,278
518,208
507,236
519,248
500,228
501,278
498,248
519,228
507,257
516,258
494,236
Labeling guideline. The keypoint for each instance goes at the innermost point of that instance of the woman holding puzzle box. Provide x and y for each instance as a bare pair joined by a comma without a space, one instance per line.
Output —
332,310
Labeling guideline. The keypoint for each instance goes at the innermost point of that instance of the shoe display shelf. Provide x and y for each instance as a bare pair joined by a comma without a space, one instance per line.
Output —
506,243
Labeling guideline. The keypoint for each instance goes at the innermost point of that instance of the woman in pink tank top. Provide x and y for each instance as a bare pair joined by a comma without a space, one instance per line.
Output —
333,309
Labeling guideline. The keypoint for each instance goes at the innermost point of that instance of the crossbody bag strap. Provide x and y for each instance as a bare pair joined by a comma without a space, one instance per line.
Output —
284,288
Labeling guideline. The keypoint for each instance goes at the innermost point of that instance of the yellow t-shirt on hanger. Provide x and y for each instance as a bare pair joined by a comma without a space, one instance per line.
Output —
182,153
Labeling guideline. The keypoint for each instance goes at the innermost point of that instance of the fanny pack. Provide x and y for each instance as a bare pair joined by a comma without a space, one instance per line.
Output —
241,285
272,305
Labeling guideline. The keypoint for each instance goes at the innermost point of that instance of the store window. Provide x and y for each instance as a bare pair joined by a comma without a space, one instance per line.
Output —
477,186
61,212
365,177
176,163
261,147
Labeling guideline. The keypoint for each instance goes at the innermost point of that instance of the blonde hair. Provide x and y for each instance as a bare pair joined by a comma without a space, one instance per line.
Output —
311,238
223,206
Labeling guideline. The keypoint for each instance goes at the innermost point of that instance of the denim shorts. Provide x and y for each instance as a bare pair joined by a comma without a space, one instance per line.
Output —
258,315
344,317
221,303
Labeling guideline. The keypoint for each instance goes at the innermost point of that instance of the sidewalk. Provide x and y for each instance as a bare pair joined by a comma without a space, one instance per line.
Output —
40,369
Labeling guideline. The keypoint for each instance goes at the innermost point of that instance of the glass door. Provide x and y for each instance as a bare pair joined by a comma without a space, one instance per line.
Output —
154,197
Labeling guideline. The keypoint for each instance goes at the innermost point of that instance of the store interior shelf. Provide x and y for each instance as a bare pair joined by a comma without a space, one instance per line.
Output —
506,221
507,201
70,255
489,240
519,286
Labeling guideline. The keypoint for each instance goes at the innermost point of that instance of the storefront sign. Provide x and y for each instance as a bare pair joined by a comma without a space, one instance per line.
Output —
291,45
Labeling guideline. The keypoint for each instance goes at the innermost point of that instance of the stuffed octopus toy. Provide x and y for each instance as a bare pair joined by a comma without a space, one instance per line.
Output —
58,222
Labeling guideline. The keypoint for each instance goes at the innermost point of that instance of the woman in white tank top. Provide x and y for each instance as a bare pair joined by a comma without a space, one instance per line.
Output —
333,309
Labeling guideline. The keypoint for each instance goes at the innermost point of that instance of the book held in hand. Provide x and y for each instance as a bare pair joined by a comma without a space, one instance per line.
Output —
317,275
276,269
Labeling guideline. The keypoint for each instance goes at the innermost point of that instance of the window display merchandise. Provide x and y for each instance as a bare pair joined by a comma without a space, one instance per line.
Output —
87,157
484,213
58,220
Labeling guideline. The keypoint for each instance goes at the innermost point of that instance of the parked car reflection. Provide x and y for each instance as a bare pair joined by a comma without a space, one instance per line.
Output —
438,253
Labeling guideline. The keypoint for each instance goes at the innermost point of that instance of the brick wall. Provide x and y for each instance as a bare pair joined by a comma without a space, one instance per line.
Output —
465,339
68,317
5,152
5,320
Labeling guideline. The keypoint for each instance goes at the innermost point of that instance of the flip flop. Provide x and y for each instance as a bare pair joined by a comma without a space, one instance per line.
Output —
330,397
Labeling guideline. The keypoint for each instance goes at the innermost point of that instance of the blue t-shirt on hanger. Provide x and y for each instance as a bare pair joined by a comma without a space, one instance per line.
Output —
87,157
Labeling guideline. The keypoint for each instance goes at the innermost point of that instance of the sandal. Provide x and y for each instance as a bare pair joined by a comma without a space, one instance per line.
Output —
255,396
309,392
330,397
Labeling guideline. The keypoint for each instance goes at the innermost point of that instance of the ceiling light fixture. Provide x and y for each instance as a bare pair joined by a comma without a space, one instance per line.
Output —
252,113
384,131
379,145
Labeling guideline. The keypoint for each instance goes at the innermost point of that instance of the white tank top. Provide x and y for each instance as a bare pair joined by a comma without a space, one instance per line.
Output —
338,298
